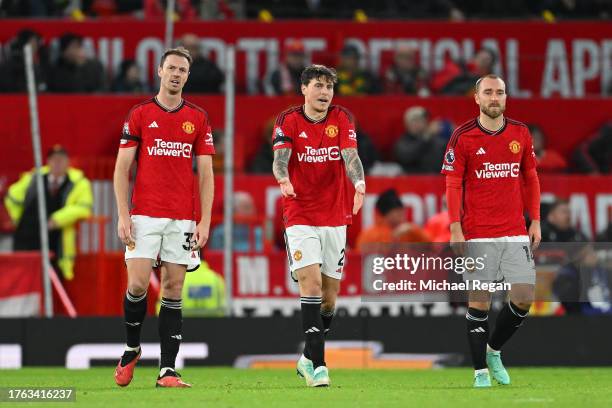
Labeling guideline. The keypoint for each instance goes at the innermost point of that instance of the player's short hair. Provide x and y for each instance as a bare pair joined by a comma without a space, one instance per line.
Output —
491,76
180,51
317,71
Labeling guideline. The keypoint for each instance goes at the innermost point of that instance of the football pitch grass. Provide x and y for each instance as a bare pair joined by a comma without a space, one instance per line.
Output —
228,387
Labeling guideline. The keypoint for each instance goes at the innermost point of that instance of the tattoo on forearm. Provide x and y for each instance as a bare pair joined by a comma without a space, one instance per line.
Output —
352,162
280,166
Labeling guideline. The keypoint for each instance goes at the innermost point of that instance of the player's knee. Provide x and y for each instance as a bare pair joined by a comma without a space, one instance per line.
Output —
137,288
172,288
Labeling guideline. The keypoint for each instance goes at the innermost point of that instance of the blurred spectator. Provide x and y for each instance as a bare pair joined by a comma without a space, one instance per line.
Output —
262,162
286,79
12,71
557,227
595,155
352,80
438,225
69,199
156,9
458,78
405,76
366,149
584,285
548,160
74,71
204,75
203,293
244,211
420,149
390,225
128,80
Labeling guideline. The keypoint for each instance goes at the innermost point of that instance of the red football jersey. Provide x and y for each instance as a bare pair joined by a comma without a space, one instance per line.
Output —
166,140
490,164
324,195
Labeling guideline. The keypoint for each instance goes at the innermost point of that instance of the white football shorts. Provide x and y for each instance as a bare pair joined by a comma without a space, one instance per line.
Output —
170,240
308,245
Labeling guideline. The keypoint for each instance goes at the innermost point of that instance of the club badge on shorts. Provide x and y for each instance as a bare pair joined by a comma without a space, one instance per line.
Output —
297,255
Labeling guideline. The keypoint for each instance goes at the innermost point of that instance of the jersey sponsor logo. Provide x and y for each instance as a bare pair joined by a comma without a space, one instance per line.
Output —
331,130
297,255
320,155
153,125
303,135
514,146
352,135
480,151
209,139
498,170
449,157
126,128
172,149
188,127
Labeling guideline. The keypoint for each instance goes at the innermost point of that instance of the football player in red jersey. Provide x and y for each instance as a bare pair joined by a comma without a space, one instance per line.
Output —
487,160
162,133
322,182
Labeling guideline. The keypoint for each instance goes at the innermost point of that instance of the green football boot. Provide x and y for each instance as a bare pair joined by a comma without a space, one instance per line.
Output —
305,369
321,377
482,380
497,367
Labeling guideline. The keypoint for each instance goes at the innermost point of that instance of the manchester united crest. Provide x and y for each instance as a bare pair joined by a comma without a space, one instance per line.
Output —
515,146
297,255
331,130
188,127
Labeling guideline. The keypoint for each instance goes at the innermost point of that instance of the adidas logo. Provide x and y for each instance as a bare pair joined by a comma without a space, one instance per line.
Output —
133,324
153,125
177,336
477,330
303,135
480,151
312,330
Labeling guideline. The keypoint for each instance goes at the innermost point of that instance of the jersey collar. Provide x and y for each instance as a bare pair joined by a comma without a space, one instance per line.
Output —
303,111
489,132
162,107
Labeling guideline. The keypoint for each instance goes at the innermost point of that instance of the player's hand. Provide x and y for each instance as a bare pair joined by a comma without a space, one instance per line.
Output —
535,234
201,235
286,187
358,199
457,240
125,228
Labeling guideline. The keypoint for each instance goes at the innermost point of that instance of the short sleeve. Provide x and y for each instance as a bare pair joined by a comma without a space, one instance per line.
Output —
348,136
131,134
454,158
204,142
283,132
528,160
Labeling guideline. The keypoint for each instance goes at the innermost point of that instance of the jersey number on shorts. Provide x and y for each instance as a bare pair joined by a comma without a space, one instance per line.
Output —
527,253
341,261
188,237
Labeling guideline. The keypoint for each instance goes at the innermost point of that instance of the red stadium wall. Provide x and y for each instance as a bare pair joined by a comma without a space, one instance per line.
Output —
90,125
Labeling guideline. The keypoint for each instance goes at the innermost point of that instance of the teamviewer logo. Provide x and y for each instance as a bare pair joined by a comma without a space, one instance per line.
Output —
172,149
498,170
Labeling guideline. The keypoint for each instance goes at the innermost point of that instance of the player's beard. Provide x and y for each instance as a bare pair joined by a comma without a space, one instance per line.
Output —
492,112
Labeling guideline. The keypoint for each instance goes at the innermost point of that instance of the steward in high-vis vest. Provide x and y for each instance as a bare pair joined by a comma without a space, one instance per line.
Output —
69,199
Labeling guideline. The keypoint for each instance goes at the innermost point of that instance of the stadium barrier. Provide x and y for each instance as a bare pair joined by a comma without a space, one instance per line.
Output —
361,342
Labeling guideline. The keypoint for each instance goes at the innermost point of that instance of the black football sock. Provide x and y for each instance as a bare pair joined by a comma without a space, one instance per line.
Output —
326,316
170,330
134,310
478,335
312,323
508,321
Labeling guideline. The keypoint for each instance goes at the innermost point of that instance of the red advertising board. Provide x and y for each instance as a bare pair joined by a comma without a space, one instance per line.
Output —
569,59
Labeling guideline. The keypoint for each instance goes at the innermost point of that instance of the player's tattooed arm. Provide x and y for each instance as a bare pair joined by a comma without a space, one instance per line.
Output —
354,171
280,166
352,162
